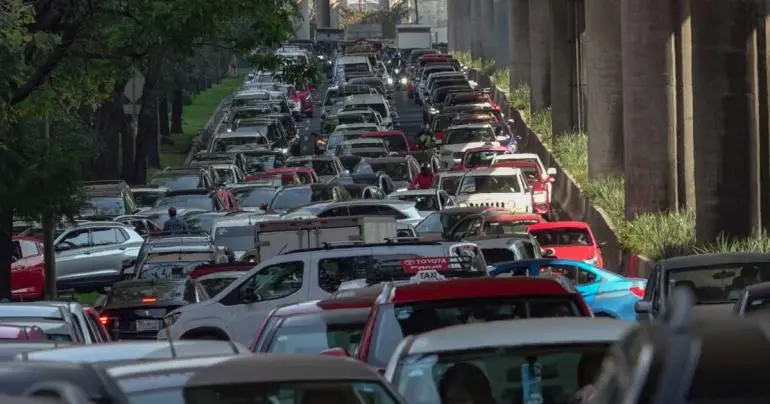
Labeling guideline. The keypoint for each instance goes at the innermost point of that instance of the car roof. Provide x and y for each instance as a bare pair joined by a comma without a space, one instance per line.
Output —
31,310
520,332
19,376
137,350
451,174
559,225
283,368
706,260
160,190
164,366
365,99
469,288
493,171
343,299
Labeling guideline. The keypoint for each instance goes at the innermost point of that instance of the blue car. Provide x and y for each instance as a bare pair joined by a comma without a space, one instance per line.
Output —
607,294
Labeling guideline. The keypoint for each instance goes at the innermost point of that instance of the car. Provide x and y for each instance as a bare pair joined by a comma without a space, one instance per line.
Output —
183,178
364,191
395,140
460,138
135,309
716,279
85,320
205,158
426,200
185,199
27,377
228,174
107,199
9,349
21,333
318,326
437,225
146,196
298,276
133,351
56,321
479,157
216,282
142,225
753,300
448,181
253,196
27,268
607,293
92,255
569,240
169,239
258,159
509,247
378,179
400,169
306,175
493,223
537,176
495,187
176,261
327,168
567,352
302,379
293,196
402,211
275,180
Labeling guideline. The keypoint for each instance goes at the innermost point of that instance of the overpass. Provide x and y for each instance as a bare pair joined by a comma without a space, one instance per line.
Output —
673,94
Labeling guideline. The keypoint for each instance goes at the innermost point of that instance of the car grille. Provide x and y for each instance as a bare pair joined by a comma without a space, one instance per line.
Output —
487,204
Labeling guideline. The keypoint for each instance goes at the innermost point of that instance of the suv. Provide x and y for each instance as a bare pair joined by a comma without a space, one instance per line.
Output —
92,255
107,199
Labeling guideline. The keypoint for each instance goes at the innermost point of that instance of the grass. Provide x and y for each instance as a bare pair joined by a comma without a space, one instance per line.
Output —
653,235
194,118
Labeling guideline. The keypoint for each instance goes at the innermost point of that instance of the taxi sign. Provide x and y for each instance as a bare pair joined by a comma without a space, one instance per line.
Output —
416,265
427,275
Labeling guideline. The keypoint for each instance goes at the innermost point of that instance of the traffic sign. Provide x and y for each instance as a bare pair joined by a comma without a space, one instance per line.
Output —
133,93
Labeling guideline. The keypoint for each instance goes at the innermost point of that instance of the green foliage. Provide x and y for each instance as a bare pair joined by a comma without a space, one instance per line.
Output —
350,15
287,71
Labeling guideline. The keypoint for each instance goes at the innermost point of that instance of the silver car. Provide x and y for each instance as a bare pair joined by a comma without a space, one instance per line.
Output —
90,256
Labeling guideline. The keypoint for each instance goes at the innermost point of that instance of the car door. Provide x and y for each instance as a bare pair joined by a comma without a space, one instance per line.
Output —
107,249
27,270
72,251
272,286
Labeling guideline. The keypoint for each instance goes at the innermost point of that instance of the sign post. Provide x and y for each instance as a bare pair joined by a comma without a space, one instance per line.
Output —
132,104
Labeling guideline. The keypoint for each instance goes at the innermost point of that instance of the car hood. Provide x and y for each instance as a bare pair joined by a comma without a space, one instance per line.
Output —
454,148
577,253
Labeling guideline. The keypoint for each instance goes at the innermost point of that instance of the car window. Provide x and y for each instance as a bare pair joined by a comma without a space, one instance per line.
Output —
431,224
334,271
266,330
76,239
335,212
577,275
93,328
105,237
277,281
28,248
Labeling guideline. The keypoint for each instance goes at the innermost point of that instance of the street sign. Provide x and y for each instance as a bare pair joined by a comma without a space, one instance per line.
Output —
133,94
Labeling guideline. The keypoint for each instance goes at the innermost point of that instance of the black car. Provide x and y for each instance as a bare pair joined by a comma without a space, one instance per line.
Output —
135,309
328,168
364,191
377,179
400,169
294,196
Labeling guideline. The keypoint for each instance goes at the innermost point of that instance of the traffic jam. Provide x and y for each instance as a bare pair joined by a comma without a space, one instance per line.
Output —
377,239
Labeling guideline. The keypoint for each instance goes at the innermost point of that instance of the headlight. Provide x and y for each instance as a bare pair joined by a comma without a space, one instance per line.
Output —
390,81
404,80
397,71
434,111
328,62
171,318
284,151
321,57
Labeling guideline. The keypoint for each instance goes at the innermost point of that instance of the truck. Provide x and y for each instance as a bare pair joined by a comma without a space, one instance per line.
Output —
412,36
275,237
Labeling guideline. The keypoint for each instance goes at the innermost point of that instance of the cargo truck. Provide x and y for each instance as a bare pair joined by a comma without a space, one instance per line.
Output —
412,36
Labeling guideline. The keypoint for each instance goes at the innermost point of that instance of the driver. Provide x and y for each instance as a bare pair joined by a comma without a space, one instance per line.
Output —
423,180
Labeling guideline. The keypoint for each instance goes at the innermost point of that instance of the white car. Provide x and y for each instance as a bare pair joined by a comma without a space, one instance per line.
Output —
426,200
460,138
533,158
501,187
562,353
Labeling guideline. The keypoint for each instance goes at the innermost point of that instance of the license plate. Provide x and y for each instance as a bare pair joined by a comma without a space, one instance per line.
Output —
147,325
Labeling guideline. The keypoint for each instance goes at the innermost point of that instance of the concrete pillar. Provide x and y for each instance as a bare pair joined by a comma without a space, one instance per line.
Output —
725,125
649,106
487,23
685,159
604,79
451,25
518,40
563,66
501,34
463,24
475,34
540,53
323,14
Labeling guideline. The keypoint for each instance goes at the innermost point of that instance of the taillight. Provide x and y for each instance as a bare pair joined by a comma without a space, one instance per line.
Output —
104,320
637,291
440,136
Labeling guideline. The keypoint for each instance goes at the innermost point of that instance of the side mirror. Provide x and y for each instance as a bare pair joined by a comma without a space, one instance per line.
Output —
263,206
549,253
339,352
642,307
551,171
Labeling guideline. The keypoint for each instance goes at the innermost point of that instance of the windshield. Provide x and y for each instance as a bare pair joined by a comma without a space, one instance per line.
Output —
376,107
215,285
500,374
177,181
187,201
481,158
103,206
562,237
312,337
253,197
134,293
226,175
461,136
291,198
321,167
236,238
718,284
493,256
332,391
222,144
508,227
421,202
395,142
260,163
489,184
349,119
394,322
169,270
147,198
398,171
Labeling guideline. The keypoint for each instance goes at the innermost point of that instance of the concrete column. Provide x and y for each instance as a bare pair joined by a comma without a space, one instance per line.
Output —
487,22
604,79
323,14
463,23
451,25
540,53
685,160
563,67
649,107
475,34
501,34
518,41
725,125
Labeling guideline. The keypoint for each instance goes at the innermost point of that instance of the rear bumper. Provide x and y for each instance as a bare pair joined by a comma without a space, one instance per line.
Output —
88,282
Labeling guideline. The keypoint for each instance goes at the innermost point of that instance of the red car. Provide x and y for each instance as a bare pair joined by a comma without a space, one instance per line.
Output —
479,157
396,140
227,198
332,326
306,175
302,96
537,179
27,272
569,240
409,309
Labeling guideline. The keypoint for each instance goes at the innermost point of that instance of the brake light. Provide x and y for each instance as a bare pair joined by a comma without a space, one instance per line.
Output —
637,291
104,320
149,300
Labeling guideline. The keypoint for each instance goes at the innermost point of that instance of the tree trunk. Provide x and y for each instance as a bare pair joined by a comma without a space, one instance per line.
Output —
6,250
153,132
163,116
147,133
128,145
110,119
177,108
